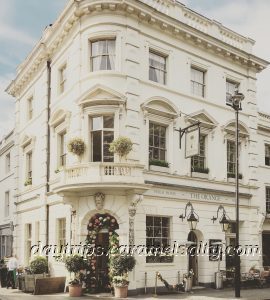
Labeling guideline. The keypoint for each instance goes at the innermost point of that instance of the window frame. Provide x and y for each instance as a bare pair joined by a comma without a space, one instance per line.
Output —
267,157
193,82
236,86
231,162
62,78
30,109
201,156
164,71
102,130
61,232
29,165
28,241
158,258
7,204
267,199
62,148
151,156
107,55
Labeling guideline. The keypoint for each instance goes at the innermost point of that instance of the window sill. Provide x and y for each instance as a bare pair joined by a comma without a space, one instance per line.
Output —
200,175
232,180
159,169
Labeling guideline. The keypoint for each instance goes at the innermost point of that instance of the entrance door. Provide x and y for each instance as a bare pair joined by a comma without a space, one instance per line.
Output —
192,257
102,268
266,248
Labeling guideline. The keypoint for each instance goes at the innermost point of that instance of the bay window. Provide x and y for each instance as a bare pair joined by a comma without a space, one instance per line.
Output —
102,134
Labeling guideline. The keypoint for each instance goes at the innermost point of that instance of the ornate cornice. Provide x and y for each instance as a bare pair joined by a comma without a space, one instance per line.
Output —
154,12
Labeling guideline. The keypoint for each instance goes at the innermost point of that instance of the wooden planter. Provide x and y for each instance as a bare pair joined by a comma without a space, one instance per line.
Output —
75,290
28,282
120,291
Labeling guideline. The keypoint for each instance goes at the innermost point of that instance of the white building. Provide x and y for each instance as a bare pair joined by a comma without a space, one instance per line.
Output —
139,69
7,206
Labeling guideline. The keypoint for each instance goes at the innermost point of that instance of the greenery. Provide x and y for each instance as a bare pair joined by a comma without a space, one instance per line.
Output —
121,146
232,175
28,182
200,170
160,163
122,263
76,146
74,264
39,265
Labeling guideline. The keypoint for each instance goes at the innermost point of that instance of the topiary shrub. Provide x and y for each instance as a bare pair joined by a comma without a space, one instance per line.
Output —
121,264
39,265
121,146
74,264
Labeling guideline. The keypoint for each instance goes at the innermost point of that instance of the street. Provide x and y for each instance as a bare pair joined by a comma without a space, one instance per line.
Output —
202,294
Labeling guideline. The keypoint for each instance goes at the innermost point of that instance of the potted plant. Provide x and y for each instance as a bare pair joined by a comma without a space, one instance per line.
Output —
76,146
121,264
28,182
75,264
37,269
121,146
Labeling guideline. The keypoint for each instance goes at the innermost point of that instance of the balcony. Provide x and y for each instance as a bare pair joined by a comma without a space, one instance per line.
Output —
97,175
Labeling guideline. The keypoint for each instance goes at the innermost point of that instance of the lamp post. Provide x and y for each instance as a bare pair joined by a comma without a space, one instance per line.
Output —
224,220
235,103
192,218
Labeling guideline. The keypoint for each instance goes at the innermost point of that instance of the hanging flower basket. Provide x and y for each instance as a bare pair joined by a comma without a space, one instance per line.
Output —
121,146
76,146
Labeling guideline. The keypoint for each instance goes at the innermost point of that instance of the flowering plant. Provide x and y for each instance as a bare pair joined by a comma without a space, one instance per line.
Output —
28,182
121,146
120,281
76,146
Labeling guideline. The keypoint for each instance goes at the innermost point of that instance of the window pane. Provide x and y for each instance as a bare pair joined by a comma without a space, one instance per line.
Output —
96,146
108,121
97,123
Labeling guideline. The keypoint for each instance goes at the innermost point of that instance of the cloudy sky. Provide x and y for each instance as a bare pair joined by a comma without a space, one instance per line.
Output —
22,22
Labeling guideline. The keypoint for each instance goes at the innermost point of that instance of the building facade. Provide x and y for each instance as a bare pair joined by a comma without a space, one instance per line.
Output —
140,69
7,208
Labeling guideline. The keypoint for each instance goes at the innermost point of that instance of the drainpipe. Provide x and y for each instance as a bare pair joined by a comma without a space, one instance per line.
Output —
48,146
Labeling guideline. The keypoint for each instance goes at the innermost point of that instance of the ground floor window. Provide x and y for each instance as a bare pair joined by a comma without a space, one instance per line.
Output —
266,249
157,239
5,245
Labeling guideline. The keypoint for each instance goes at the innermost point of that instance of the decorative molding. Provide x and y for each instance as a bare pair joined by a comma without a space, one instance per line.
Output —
99,200
55,35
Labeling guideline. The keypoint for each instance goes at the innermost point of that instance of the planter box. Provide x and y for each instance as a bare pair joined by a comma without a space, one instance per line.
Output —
29,282
159,169
200,175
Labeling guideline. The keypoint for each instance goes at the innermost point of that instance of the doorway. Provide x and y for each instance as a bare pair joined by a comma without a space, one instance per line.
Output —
266,248
102,262
193,257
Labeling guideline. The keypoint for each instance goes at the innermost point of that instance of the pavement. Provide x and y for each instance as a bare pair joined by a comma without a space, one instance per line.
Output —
203,294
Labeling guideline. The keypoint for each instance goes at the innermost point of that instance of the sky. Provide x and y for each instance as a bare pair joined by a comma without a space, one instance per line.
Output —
23,21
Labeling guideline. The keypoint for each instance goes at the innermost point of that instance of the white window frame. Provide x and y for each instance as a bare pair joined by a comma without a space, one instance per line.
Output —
236,87
163,56
192,82
30,110
267,199
28,241
7,204
266,157
62,148
29,165
61,231
62,78
97,39
166,137
102,130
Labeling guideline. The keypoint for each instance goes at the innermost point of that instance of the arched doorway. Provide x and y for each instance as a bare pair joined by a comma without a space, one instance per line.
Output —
192,256
101,238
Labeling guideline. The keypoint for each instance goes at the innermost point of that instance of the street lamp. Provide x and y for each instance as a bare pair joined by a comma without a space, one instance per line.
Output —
192,218
224,220
235,102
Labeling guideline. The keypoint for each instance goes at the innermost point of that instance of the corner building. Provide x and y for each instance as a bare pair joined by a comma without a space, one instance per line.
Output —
139,69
